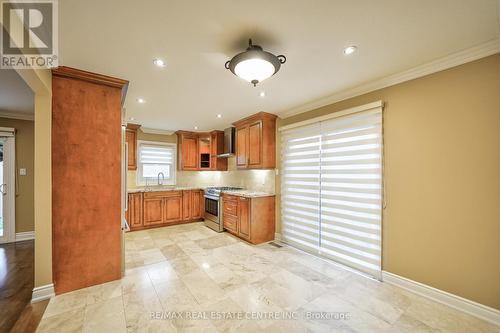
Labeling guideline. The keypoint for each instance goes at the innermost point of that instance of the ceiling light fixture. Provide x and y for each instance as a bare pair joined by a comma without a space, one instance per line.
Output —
350,50
219,116
262,94
141,100
255,65
159,62
196,127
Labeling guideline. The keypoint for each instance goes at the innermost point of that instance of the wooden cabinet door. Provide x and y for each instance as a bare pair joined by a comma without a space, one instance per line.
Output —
173,208
197,204
153,211
242,147
231,223
134,210
189,155
255,144
244,217
131,139
186,205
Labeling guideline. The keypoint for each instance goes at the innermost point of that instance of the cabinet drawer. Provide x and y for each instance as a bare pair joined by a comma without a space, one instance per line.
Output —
162,194
231,208
230,223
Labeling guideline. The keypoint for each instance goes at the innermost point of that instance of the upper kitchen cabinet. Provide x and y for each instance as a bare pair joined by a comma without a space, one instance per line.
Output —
204,150
187,150
131,139
198,151
86,178
217,148
256,142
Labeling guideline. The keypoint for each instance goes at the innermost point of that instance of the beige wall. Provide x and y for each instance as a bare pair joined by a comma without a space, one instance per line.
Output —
258,180
442,169
40,81
25,154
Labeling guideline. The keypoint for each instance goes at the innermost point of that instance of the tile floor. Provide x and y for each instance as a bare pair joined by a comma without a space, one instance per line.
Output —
201,276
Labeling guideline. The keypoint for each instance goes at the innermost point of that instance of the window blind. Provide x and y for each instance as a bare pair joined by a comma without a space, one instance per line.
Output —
156,158
332,189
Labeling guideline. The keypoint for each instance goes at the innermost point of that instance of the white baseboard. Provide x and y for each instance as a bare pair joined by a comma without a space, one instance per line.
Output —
23,236
42,293
475,309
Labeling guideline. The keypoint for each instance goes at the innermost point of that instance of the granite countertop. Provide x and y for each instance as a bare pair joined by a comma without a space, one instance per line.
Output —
250,193
161,189
241,193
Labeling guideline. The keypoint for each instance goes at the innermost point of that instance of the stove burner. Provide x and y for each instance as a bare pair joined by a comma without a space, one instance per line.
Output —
216,190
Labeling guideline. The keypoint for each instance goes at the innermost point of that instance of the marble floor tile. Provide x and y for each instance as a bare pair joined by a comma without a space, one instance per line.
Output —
69,321
106,316
203,288
174,274
66,302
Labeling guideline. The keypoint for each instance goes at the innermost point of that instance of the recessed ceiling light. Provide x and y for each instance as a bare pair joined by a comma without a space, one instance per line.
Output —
196,127
159,62
262,94
141,100
219,116
350,49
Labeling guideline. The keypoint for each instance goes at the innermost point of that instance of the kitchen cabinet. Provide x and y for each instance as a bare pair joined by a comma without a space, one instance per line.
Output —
162,208
217,147
198,151
187,150
251,219
131,139
173,208
134,210
256,142
154,210
187,203
86,171
197,204
204,150
244,218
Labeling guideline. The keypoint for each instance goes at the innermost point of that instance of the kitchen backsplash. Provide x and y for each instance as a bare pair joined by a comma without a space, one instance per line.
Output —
255,180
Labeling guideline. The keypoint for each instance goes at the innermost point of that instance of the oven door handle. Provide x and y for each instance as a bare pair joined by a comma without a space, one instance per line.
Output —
212,197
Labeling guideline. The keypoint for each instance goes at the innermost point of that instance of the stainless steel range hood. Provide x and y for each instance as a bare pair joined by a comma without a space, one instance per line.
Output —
229,142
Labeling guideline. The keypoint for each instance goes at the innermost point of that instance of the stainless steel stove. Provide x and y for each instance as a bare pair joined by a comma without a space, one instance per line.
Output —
213,206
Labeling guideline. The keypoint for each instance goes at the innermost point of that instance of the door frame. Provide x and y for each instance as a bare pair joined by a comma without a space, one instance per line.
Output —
8,135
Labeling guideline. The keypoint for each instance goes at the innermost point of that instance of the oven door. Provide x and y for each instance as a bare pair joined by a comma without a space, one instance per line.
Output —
212,208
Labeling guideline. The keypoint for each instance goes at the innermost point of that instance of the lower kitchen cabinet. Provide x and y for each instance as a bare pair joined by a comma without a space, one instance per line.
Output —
251,219
134,210
157,209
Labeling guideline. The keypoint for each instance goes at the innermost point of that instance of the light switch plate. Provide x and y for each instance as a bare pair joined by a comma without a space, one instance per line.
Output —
22,172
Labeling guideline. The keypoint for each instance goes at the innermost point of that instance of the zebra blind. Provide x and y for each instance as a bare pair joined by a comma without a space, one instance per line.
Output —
332,189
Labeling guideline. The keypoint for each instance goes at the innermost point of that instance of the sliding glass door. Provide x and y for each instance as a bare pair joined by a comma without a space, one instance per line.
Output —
332,188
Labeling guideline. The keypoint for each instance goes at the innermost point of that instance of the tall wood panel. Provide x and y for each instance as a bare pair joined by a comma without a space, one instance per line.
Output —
86,181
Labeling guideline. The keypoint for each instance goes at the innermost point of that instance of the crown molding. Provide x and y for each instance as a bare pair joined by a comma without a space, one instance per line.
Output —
452,60
156,131
16,115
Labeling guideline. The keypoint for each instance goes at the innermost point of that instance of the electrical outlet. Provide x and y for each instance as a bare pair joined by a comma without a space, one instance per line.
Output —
22,172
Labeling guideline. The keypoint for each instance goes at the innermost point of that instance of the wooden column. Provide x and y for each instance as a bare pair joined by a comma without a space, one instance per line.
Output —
86,178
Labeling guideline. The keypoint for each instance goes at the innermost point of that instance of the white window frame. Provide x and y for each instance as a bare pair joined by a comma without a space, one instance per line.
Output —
139,179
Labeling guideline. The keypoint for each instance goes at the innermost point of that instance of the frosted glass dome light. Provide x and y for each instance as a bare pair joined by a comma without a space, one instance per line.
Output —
255,65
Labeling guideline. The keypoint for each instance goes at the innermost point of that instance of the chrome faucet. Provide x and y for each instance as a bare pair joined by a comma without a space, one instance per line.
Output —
163,178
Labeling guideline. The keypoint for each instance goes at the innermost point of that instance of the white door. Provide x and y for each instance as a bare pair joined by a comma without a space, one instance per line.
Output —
7,188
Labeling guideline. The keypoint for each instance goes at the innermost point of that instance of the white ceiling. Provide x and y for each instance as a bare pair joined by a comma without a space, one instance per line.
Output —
16,98
121,37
